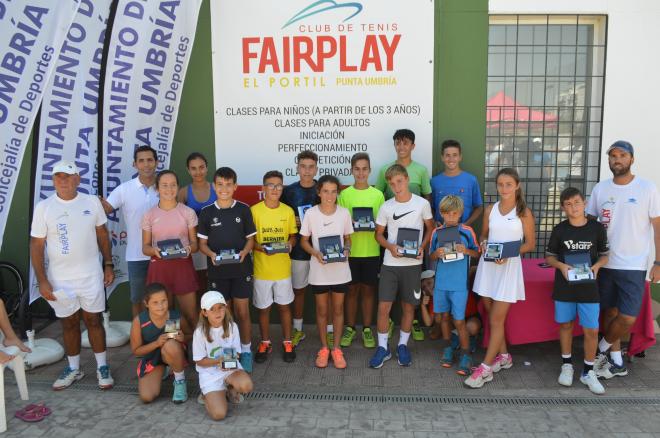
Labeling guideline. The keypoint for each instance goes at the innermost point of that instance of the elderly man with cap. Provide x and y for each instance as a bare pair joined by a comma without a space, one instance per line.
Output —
629,207
70,227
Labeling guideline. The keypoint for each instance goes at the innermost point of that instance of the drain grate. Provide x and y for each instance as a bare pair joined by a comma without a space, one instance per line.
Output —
465,400
400,399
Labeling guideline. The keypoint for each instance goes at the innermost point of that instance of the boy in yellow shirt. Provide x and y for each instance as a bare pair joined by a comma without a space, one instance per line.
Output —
276,231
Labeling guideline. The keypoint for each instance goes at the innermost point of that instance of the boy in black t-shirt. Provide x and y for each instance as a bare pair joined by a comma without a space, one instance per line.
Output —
583,243
227,225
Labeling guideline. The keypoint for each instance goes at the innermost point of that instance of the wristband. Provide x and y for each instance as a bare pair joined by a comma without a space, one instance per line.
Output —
656,263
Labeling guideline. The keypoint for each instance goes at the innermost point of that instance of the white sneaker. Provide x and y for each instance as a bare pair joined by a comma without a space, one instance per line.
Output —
105,379
566,376
479,376
592,382
601,362
502,362
67,378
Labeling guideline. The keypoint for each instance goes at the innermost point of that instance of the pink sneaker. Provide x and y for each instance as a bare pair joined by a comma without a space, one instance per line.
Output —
502,362
479,376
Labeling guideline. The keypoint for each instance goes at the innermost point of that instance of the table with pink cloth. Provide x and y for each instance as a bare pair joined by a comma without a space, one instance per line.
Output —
533,320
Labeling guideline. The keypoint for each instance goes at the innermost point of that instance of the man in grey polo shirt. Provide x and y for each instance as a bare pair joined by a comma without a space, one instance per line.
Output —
134,198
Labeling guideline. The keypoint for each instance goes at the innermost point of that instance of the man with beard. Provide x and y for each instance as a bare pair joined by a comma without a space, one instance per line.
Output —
629,207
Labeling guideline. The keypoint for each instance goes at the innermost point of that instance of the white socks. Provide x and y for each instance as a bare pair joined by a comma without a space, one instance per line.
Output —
403,337
101,359
74,362
603,345
616,357
297,324
246,348
382,340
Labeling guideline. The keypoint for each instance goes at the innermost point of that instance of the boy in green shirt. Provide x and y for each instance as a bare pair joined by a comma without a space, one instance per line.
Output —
364,259
420,182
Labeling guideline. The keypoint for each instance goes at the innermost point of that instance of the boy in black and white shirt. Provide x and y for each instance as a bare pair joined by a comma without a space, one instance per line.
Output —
227,225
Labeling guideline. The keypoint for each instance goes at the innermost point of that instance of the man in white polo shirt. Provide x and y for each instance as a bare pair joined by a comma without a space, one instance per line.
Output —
70,227
134,198
629,207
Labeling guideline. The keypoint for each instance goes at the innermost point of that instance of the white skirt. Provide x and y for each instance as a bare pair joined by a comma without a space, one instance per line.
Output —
500,282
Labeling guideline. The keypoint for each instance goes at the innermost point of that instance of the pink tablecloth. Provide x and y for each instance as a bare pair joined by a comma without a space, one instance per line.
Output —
533,320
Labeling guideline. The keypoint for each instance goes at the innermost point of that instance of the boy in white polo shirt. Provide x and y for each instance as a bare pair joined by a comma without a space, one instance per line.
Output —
400,275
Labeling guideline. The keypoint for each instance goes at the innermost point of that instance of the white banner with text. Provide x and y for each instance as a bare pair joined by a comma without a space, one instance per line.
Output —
68,126
149,51
335,78
31,34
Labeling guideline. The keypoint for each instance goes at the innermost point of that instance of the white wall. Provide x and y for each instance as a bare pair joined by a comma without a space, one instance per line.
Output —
632,71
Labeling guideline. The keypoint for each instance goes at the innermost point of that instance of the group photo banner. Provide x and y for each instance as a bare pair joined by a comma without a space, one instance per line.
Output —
68,125
149,51
328,76
31,35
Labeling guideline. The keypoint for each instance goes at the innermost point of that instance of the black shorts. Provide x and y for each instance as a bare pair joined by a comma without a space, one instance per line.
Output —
238,287
325,288
364,270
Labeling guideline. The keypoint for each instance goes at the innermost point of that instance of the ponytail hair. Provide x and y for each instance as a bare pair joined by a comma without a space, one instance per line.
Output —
205,325
521,205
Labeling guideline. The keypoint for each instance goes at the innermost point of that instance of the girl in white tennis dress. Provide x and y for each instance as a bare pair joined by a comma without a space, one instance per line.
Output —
500,282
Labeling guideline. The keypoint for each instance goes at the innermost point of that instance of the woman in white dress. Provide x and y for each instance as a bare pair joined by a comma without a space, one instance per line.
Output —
500,283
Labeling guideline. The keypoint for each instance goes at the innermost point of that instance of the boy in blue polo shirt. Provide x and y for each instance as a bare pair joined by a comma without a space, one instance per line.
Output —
451,286
455,181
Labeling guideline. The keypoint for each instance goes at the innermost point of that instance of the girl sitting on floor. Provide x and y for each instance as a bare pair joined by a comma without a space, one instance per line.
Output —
156,348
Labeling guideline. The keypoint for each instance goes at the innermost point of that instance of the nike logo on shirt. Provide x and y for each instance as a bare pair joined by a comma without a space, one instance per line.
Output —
396,218
325,225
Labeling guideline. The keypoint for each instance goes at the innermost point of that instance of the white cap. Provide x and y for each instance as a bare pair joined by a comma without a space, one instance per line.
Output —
429,273
210,298
537,140
64,166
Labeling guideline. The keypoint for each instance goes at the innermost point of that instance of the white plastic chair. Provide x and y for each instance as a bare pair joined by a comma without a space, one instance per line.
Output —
16,365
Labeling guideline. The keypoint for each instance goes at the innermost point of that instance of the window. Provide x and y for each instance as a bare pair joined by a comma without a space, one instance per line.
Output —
544,111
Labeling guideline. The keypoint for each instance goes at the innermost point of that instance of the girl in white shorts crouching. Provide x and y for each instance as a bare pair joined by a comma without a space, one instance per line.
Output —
214,340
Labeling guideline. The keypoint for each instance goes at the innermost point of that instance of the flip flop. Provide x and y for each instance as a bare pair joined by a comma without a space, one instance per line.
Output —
28,416
39,408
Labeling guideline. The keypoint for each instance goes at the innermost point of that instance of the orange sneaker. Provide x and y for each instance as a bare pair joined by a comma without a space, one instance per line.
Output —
322,357
338,359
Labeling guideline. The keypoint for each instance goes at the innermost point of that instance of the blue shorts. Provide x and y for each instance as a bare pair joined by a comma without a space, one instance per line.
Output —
450,300
137,278
565,311
621,289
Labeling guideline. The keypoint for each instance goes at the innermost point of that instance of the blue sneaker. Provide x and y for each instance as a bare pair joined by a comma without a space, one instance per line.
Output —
180,394
403,355
454,341
246,361
379,357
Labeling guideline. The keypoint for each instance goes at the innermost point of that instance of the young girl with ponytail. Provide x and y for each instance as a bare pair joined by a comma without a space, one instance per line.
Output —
500,283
